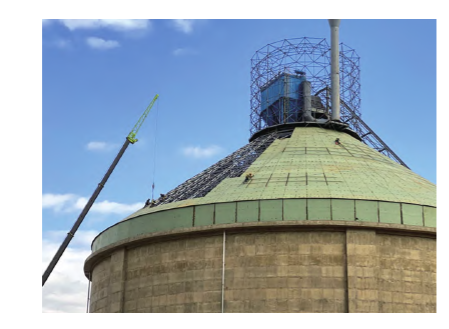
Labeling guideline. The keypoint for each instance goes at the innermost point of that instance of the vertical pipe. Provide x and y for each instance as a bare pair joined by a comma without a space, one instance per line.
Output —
346,271
88,292
335,69
223,272
307,101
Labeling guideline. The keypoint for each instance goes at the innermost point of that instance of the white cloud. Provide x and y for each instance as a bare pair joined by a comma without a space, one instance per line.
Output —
100,146
114,24
99,43
83,238
184,25
78,204
73,203
199,152
184,51
66,288
108,207
57,201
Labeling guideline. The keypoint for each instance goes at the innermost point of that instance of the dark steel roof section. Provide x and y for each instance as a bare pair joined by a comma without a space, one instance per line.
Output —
232,166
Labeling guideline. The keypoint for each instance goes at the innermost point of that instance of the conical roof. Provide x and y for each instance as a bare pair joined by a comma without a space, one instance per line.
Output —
299,174
309,164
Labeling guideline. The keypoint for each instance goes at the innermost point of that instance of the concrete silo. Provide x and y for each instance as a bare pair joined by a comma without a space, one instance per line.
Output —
315,214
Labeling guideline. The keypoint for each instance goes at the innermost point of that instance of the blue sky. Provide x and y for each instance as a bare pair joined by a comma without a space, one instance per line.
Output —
98,76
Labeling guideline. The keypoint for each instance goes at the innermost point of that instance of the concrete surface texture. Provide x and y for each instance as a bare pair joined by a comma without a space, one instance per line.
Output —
346,270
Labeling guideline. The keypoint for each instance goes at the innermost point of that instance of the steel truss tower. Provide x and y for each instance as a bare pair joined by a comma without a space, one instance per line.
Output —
312,56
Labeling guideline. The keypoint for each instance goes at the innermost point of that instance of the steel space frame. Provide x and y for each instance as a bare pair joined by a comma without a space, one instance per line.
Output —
312,56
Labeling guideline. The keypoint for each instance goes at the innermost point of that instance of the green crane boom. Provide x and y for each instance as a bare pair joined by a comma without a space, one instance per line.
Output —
133,133
131,138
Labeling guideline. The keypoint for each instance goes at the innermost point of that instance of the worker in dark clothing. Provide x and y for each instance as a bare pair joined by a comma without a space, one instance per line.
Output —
337,141
147,203
248,177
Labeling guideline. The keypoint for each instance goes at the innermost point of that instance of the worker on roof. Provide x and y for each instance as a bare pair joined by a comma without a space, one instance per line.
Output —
248,177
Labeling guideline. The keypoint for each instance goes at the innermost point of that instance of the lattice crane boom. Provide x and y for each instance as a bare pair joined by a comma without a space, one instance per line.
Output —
133,133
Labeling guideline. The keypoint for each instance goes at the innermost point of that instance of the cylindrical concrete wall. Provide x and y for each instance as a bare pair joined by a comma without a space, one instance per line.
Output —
324,267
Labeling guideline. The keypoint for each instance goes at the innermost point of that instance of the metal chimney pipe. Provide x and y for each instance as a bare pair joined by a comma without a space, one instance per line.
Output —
335,69
307,101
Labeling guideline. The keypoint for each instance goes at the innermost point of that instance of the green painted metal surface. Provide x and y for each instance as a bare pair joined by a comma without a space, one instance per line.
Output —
270,210
319,209
412,215
204,215
389,212
310,165
430,216
303,177
163,221
295,209
247,211
342,209
225,213
367,211
266,210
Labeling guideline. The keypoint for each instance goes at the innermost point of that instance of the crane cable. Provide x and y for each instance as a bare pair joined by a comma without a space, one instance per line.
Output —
155,147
